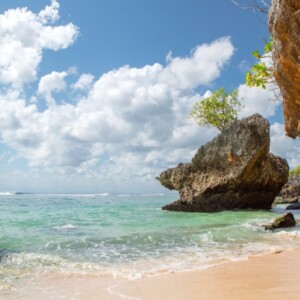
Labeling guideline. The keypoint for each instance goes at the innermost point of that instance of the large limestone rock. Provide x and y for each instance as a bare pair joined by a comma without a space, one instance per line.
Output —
233,171
284,26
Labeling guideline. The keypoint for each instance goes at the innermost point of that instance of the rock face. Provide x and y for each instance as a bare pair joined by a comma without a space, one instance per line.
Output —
284,26
233,171
290,192
284,221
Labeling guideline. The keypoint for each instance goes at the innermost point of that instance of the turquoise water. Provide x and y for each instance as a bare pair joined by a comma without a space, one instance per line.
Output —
125,235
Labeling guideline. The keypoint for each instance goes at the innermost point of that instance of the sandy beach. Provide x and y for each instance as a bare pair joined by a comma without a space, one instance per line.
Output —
266,277
273,276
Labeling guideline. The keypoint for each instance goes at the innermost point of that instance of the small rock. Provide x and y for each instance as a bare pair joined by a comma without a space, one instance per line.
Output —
293,206
284,221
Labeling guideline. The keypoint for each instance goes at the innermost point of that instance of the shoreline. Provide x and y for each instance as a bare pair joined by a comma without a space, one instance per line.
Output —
271,276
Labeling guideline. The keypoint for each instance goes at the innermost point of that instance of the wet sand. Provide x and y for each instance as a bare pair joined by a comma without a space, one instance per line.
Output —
275,276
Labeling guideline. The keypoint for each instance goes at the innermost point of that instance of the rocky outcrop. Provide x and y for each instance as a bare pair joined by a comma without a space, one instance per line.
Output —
233,171
280,200
290,193
284,221
284,26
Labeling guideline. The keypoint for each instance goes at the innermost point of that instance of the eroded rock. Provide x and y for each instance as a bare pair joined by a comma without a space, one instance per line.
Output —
284,26
290,193
233,171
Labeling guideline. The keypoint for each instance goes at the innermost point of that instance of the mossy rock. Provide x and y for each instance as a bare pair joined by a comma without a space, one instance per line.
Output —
284,221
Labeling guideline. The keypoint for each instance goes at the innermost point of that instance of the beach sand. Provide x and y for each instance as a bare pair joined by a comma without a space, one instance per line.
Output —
275,276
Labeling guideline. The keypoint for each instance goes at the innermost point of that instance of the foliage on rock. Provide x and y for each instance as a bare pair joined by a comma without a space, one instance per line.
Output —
261,74
220,110
295,173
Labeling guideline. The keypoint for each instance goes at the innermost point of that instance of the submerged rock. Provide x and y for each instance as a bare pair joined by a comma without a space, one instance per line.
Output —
233,171
293,206
284,221
284,26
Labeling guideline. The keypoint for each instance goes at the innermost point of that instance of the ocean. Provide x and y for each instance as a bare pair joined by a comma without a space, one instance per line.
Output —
125,235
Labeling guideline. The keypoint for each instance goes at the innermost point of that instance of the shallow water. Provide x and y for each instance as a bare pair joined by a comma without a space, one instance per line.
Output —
125,235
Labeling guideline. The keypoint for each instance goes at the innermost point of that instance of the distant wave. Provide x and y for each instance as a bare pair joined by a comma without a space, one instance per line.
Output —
7,193
75,195
14,193
139,195
145,195
65,227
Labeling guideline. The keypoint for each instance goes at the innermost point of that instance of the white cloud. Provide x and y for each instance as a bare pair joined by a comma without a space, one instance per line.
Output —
84,82
285,146
53,82
257,100
23,37
244,66
207,59
133,122
49,13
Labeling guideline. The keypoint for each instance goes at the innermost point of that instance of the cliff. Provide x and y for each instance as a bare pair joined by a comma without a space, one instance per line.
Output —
284,26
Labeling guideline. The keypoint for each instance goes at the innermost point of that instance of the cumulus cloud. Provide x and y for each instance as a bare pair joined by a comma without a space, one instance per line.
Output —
53,82
207,59
258,100
285,146
23,37
84,82
132,122
49,13
129,123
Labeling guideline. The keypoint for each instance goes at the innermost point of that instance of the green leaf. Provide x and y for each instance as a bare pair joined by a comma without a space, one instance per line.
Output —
256,54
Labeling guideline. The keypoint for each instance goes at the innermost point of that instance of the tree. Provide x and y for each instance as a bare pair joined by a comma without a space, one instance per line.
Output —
219,110
262,73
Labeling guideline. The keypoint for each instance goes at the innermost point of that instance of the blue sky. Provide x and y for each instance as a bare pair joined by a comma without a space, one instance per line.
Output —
95,96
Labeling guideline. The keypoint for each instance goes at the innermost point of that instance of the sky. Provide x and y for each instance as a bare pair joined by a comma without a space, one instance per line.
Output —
95,95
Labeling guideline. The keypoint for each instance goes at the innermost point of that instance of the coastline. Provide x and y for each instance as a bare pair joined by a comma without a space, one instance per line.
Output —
273,276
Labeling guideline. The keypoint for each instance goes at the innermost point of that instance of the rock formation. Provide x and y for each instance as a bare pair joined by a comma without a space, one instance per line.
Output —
284,221
233,171
284,26
290,193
